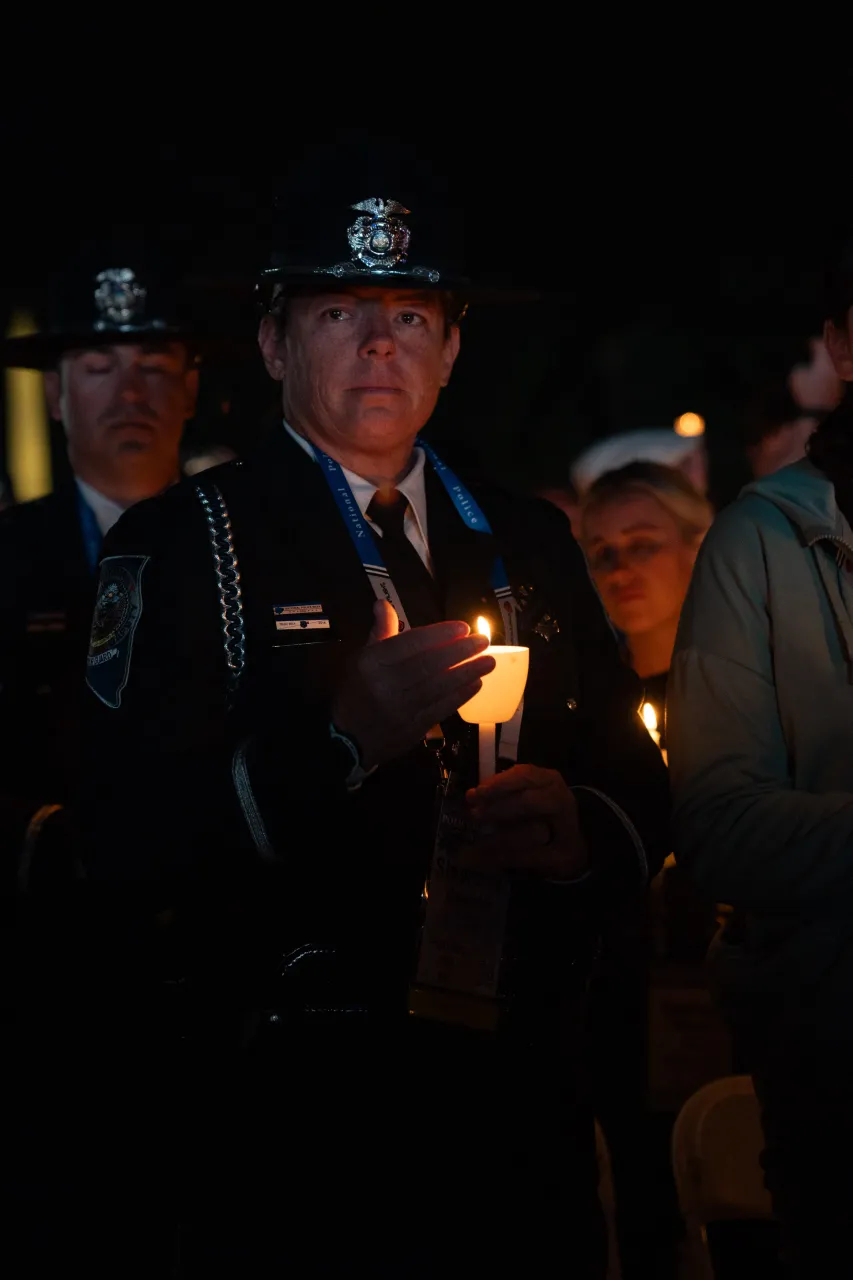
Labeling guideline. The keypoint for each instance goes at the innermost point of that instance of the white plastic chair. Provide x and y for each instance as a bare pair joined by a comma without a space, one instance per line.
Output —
716,1145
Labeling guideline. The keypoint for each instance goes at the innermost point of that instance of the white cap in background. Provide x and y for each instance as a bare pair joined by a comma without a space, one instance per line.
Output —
662,445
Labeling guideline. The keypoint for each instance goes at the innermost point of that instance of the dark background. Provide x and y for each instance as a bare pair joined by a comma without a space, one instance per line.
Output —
678,232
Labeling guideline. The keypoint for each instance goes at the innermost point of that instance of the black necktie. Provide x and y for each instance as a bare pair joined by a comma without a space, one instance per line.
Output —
408,572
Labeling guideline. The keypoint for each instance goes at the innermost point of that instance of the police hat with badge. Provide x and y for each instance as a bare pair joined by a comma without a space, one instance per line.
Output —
377,216
373,241
111,293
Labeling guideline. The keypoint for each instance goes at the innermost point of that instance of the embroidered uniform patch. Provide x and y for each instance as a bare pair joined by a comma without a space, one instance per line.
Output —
300,617
118,608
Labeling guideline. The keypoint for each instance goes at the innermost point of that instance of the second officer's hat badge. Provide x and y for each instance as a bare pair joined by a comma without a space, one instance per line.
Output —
119,297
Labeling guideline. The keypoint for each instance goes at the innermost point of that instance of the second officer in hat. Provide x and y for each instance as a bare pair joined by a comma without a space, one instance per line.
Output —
120,374
276,662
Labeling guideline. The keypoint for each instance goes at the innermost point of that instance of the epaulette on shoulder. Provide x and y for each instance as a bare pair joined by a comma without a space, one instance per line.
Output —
153,523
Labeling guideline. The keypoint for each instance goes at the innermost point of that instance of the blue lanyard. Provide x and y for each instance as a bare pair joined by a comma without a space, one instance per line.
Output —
368,548
92,536
476,519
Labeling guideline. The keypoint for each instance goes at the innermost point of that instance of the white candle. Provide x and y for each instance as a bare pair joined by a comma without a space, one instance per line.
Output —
498,699
488,763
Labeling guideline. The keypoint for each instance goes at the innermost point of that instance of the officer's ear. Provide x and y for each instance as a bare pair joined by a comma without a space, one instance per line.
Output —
53,393
271,344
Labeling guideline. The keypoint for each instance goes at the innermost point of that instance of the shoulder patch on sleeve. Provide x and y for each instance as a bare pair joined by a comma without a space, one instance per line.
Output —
118,608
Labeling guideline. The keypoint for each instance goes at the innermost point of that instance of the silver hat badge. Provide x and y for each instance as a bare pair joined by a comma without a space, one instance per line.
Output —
380,238
379,243
119,297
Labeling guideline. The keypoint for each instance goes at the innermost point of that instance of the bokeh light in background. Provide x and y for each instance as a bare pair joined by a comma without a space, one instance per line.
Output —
652,304
689,425
27,430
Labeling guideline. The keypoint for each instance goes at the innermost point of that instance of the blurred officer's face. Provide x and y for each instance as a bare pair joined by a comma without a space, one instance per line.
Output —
839,344
640,561
361,367
124,409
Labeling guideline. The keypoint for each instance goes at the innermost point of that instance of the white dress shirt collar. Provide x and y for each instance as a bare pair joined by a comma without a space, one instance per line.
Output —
412,486
105,510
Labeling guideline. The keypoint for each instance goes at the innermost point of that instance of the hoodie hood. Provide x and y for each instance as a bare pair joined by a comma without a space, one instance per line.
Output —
807,497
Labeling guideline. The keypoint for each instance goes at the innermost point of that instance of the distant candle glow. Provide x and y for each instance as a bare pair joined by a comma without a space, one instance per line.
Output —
484,628
690,424
649,718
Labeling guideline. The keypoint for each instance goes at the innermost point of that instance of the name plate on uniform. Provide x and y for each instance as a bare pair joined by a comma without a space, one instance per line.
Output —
462,942
302,624
300,617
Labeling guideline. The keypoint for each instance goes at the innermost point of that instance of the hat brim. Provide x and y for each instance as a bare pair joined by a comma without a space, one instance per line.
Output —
328,278
44,350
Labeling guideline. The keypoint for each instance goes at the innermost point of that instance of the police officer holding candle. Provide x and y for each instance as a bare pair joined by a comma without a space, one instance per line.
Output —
279,651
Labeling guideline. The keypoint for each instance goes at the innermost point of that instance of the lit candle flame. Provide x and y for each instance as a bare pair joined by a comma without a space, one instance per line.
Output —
649,715
484,629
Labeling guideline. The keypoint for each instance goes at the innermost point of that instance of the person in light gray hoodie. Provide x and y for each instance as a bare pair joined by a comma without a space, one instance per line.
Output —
760,736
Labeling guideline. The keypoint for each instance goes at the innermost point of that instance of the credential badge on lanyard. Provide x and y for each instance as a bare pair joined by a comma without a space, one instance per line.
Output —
371,557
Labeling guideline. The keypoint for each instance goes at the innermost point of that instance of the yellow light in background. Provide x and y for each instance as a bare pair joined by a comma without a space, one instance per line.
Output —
484,628
689,424
27,428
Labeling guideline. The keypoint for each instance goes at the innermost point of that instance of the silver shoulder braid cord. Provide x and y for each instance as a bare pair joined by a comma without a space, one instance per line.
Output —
227,571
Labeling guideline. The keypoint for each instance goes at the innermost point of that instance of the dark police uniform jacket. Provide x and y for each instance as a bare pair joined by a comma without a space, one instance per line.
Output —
286,926
45,619
163,825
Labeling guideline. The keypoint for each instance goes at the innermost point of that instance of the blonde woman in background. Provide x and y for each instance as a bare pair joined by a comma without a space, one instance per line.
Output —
641,527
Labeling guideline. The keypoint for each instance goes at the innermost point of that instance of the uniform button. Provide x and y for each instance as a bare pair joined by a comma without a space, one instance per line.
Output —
571,704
